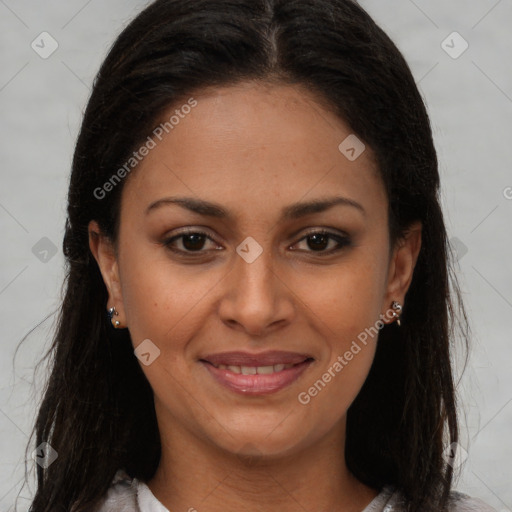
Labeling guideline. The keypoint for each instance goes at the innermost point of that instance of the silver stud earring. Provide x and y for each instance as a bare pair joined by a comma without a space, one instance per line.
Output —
397,308
111,313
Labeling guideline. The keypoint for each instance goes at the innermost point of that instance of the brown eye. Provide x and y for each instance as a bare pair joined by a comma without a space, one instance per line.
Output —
319,241
192,241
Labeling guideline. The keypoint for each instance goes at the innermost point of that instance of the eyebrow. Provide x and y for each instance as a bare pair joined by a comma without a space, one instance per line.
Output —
291,212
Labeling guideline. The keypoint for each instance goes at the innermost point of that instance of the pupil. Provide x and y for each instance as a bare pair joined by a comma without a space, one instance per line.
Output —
197,241
324,240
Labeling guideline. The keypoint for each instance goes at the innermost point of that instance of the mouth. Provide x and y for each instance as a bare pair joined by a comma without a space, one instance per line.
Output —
256,374
255,370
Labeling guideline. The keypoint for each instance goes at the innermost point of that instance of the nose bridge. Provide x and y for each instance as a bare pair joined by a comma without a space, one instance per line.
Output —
253,297
254,271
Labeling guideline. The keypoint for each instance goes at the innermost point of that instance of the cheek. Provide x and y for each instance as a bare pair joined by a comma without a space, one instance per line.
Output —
167,302
347,321
346,305
347,298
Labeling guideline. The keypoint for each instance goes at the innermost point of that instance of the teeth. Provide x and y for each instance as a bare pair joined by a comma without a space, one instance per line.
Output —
253,370
263,370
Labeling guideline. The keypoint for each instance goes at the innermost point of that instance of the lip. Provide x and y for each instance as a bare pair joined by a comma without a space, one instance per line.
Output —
268,358
258,384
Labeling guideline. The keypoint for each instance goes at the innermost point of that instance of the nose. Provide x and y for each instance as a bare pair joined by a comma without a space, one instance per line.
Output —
256,299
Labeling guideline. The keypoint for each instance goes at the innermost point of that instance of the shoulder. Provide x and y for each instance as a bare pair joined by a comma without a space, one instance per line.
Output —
121,495
391,500
460,502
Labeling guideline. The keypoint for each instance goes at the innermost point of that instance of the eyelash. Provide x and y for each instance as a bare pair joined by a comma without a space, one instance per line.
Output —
341,240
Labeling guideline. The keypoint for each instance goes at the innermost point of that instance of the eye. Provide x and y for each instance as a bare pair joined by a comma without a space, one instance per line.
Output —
318,241
194,242
190,241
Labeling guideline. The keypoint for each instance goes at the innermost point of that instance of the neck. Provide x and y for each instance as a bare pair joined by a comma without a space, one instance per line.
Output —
194,474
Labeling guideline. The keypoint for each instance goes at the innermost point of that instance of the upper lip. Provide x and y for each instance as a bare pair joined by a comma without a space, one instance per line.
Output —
269,358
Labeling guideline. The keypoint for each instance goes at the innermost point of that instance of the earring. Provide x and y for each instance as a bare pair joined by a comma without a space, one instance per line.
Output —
111,313
397,308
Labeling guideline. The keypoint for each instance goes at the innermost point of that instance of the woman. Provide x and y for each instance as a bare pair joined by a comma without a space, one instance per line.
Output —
258,311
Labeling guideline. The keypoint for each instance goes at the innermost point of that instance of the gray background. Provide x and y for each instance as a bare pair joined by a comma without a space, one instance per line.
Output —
470,103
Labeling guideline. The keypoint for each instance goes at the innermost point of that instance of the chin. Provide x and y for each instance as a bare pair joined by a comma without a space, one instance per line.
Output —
268,443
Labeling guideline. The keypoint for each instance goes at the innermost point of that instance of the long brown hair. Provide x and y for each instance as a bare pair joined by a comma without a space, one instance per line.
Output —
98,410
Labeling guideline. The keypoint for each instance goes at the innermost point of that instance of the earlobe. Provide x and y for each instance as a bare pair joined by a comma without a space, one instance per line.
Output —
103,251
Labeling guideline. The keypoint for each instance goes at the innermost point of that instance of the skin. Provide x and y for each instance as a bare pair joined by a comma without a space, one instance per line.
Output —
254,149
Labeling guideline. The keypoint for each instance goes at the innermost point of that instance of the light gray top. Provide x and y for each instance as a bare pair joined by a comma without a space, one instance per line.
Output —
128,494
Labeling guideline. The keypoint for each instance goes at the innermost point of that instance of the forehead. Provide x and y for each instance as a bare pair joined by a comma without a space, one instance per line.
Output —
252,142
256,116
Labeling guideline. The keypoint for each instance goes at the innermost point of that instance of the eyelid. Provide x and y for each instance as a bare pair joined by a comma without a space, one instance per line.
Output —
324,231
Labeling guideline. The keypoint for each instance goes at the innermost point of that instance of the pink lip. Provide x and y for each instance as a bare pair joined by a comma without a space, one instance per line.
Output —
257,384
268,358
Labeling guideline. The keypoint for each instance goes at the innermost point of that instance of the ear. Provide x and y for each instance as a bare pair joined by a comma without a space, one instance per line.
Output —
104,253
401,266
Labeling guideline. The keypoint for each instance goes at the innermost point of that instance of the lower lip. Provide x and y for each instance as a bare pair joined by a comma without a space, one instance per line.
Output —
257,384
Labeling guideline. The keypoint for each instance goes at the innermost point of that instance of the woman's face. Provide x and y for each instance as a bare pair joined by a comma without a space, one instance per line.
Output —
253,161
